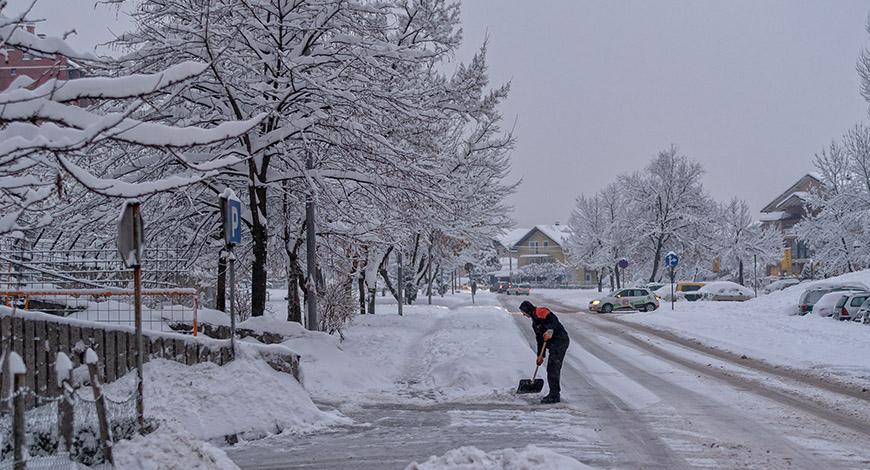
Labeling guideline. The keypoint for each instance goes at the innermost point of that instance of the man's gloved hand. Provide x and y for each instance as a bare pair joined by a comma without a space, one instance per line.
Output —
540,360
548,334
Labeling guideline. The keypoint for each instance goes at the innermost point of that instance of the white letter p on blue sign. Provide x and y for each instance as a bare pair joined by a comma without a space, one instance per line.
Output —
234,230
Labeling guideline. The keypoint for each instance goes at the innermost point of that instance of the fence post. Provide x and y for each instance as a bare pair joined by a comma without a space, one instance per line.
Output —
18,372
105,433
63,371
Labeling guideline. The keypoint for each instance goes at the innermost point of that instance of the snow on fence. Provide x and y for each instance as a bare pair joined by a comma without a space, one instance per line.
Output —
38,337
76,426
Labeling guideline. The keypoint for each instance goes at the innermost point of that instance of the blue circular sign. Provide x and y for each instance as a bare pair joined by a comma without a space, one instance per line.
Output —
672,259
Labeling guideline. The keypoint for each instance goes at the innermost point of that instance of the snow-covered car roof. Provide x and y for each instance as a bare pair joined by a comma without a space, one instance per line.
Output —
725,287
831,298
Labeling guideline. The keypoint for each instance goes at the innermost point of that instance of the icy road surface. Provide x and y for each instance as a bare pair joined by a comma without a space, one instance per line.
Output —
630,400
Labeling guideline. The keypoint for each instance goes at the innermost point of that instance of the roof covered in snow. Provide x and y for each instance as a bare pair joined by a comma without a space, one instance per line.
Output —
512,236
556,232
794,195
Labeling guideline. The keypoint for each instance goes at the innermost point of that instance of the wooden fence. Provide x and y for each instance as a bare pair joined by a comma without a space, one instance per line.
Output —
39,337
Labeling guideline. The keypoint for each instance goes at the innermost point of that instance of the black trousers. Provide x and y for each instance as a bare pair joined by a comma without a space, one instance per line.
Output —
554,366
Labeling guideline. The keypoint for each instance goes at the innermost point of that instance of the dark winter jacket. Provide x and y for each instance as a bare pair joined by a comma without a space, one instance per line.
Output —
544,320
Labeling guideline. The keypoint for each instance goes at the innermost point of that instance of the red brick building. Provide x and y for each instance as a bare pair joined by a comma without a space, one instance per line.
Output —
15,63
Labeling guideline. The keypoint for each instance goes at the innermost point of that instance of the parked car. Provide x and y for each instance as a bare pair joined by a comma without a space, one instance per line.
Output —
849,306
863,313
682,291
812,295
653,286
522,289
502,287
725,291
780,285
626,299
828,304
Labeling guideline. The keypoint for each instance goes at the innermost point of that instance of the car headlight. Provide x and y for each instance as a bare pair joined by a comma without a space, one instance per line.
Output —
595,302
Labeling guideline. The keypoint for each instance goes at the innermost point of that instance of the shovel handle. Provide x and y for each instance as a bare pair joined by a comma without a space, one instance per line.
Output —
540,355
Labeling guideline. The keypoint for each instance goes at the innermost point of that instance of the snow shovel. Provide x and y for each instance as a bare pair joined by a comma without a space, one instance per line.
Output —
533,385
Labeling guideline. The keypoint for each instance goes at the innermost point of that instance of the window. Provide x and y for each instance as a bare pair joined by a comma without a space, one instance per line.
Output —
534,246
857,301
588,277
546,243
13,72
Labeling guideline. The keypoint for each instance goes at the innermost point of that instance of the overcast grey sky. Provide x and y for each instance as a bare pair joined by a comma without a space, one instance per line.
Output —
750,88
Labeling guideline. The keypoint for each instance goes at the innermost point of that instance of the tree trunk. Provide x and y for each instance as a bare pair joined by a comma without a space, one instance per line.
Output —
260,237
385,274
295,276
618,278
657,259
740,272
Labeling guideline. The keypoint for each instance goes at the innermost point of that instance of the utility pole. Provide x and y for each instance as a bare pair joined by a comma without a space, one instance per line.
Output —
400,282
755,273
311,247
510,266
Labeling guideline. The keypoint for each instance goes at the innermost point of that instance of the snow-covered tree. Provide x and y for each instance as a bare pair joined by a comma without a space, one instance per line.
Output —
837,225
739,239
359,119
53,146
601,234
667,203
545,274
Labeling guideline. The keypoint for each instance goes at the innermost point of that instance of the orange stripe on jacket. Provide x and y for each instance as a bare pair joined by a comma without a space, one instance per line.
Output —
542,312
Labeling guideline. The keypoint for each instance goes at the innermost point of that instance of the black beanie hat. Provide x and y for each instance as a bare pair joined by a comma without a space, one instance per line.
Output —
527,307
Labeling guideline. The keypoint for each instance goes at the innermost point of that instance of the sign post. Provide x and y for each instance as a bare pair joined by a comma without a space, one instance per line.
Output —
131,247
623,264
672,260
232,220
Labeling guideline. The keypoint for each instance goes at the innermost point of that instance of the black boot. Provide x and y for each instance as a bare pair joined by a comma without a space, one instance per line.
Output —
550,399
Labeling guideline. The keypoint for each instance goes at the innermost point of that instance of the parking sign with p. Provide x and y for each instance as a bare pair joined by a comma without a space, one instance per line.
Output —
232,218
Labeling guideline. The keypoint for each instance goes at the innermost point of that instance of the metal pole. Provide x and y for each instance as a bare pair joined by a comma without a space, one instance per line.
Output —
137,307
755,273
672,288
401,283
232,260
510,267
311,247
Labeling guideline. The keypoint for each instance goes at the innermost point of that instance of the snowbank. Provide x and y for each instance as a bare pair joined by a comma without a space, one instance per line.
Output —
430,353
244,397
766,328
472,458
169,448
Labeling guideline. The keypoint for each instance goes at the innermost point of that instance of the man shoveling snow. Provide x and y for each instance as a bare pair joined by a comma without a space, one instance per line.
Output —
550,335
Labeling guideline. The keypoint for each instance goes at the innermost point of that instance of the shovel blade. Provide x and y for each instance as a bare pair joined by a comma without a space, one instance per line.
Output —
530,386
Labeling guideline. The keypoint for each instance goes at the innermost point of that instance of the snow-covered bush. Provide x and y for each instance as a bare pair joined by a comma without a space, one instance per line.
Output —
336,307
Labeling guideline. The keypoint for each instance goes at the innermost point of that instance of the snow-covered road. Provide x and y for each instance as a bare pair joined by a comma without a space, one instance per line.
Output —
631,400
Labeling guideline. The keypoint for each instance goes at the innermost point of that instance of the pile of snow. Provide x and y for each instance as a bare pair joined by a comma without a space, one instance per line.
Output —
245,397
766,328
472,458
281,327
725,288
431,353
169,447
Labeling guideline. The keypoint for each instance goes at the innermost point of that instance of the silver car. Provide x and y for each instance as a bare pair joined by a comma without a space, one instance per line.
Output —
626,299
848,307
